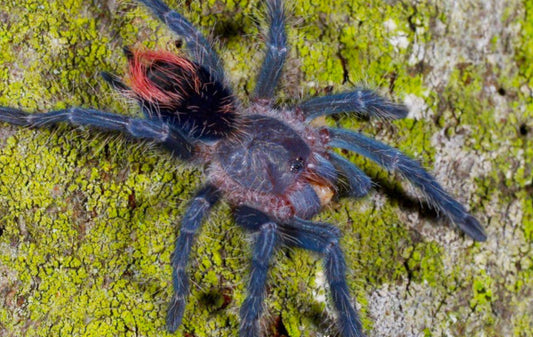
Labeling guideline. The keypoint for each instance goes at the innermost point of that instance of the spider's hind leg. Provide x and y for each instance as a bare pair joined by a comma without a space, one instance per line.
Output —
275,54
197,45
324,238
264,244
140,128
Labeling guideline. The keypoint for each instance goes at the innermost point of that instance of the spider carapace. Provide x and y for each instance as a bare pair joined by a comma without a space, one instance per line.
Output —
270,163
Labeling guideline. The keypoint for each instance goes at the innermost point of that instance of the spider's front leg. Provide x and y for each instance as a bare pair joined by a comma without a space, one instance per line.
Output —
265,241
324,238
153,130
394,160
364,102
359,183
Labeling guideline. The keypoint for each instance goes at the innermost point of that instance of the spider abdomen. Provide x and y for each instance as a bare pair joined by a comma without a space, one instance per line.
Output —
182,94
267,157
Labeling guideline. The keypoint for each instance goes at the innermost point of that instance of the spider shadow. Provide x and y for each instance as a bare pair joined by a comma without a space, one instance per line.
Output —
325,323
393,191
229,26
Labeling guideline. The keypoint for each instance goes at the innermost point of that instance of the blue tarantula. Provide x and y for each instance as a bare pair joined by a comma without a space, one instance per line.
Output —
276,169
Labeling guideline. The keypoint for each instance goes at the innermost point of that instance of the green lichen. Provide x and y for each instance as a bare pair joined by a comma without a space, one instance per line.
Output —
87,222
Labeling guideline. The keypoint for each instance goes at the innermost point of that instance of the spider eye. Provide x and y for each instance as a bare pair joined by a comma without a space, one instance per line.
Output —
297,165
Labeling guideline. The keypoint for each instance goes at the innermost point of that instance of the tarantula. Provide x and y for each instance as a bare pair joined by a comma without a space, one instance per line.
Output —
270,163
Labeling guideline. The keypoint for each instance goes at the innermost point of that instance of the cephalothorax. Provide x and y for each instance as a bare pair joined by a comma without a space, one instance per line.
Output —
269,163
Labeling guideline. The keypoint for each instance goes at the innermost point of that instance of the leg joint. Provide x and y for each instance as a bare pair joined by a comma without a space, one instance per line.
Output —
269,226
331,243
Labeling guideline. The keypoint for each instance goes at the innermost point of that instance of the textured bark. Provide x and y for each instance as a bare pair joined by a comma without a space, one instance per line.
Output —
87,221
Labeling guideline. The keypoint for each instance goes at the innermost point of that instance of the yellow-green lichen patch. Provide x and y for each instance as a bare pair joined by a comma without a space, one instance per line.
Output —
358,43
483,294
67,237
51,45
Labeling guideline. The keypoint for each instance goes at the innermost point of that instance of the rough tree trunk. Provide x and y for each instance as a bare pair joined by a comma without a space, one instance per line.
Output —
87,221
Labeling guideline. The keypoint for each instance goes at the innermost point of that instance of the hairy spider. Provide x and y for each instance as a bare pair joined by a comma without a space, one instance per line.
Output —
276,169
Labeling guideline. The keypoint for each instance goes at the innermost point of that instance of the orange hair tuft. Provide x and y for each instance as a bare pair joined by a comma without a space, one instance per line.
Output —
142,61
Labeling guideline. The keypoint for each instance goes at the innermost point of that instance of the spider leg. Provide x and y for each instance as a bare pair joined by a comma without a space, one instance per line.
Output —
324,238
364,102
324,168
358,181
197,45
153,130
276,51
114,81
198,208
264,244
394,160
